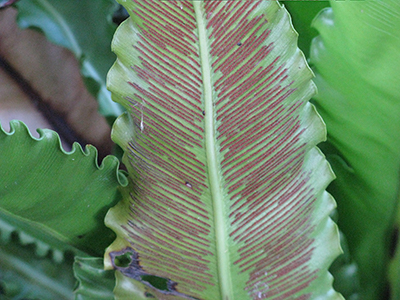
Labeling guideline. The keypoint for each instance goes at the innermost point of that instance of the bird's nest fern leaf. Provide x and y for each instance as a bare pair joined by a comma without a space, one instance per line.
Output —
227,196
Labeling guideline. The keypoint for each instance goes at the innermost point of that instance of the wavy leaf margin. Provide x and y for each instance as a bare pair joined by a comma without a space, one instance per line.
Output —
56,197
155,223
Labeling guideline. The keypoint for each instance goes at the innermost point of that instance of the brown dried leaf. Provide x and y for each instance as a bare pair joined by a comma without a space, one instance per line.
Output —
53,73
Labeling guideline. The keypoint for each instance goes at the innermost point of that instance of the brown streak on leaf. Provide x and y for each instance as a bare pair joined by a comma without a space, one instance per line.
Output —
135,271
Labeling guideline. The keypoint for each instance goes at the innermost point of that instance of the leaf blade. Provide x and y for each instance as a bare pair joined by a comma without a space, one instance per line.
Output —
198,209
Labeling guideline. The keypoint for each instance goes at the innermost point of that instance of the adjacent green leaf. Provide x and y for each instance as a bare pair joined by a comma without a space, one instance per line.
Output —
44,244
394,267
345,271
357,62
302,13
54,196
25,276
85,29
94,282
227,195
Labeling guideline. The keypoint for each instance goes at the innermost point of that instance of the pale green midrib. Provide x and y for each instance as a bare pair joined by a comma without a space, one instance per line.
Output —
215,182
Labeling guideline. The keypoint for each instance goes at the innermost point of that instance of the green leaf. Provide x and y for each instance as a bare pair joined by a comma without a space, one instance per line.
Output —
357,62
227,196
25,276
56,197
83,28
94,282
44,243
302,13
345,271
394,267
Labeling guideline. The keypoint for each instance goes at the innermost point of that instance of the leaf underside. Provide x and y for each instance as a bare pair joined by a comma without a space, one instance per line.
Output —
227,196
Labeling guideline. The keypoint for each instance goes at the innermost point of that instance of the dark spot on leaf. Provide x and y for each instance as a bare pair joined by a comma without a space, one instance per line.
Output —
148,295
203,112
123,260
127,258
80,236
394,239
239,44
157,282
127,262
